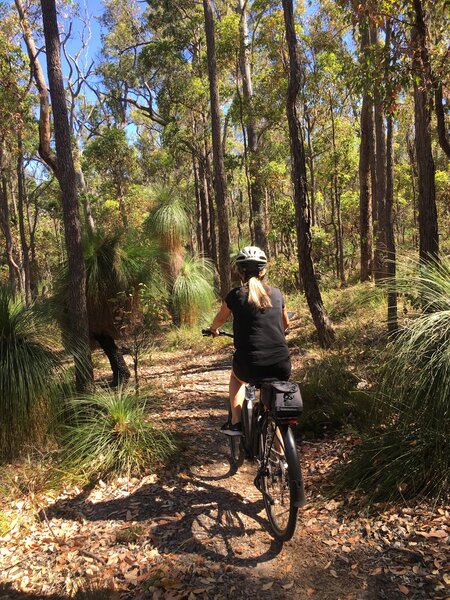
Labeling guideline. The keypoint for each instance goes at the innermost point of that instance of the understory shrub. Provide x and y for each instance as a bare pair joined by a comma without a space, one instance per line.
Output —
332,399
109,432
356,300
410,455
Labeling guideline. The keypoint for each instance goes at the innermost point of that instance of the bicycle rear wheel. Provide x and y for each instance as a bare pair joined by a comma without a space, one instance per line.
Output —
280,478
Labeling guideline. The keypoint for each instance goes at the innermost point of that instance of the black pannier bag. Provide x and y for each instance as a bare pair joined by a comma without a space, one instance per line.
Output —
282,398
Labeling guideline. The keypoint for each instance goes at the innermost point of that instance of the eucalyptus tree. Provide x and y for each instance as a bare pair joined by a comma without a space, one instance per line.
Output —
267,52
220,184
365,159
328,97
118,68
298,173
422,83
14,109
63,166
154,64
110,155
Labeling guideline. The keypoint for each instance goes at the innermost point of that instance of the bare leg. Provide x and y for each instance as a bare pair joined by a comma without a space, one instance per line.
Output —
237,394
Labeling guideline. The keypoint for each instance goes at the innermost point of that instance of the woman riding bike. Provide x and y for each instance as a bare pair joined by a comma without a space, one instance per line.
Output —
259,322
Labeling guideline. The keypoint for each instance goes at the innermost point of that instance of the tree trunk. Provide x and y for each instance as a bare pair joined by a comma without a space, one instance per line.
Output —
413,164
13,267
390,239
32,223
246,170
337,220
203,194
198,209
209,188
22,202
365,181
82,188
428,224
365,195
66,176
440,118
312,172
379,266
45,136
122,207
298,173
119,368
220,184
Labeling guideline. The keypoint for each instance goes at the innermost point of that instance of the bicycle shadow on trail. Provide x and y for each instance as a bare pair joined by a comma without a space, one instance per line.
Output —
188,515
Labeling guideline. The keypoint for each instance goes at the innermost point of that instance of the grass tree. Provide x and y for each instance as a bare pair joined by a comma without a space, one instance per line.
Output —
109,433
115,268
29,370
411,454
193,291
168,223
189,278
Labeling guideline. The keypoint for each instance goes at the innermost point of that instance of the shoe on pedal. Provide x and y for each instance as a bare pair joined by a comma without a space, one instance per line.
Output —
230,429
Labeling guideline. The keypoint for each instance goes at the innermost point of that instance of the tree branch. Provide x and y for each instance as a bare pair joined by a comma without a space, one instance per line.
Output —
45,149
147,110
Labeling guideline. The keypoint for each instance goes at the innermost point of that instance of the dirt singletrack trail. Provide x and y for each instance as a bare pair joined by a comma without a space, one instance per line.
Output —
227,523
332,555
197,530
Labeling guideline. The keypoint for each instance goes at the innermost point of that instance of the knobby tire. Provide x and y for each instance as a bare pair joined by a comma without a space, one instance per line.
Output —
280,479
236,452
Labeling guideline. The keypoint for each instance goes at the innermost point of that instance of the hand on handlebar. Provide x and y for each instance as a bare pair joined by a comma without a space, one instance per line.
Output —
215,333
210,332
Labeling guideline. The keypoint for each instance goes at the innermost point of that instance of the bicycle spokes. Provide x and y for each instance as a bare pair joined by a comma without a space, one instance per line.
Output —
278,478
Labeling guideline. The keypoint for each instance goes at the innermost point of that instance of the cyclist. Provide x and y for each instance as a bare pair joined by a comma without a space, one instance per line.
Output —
259,322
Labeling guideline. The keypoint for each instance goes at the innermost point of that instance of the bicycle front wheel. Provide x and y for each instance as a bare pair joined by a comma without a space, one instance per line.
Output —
236,450
280,478
236,454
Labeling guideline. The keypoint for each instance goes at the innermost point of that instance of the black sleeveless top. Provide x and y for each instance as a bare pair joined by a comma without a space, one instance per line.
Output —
258,334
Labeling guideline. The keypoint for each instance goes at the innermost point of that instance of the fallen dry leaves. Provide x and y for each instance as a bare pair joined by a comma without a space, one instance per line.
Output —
174,537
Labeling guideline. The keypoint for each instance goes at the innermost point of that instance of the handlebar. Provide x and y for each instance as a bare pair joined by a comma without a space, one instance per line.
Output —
207,333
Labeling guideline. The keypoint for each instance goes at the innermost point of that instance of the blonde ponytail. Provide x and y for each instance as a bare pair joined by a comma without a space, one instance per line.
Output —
258,294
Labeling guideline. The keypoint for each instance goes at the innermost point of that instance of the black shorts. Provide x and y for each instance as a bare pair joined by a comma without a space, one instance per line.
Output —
246,372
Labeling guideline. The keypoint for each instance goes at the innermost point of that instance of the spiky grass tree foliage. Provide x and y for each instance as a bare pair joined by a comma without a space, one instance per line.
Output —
169,224
193,289
411,455
115,267
109,434
189,278
28,372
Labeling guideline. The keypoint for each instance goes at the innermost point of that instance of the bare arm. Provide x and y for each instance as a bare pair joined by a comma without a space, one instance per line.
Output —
220,319
285,318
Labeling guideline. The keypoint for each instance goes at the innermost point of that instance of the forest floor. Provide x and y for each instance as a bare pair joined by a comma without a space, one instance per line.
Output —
195,530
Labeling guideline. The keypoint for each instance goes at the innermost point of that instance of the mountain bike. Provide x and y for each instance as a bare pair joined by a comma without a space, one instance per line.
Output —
267,439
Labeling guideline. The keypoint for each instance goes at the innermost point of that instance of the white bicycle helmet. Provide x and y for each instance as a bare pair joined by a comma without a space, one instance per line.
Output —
251,256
